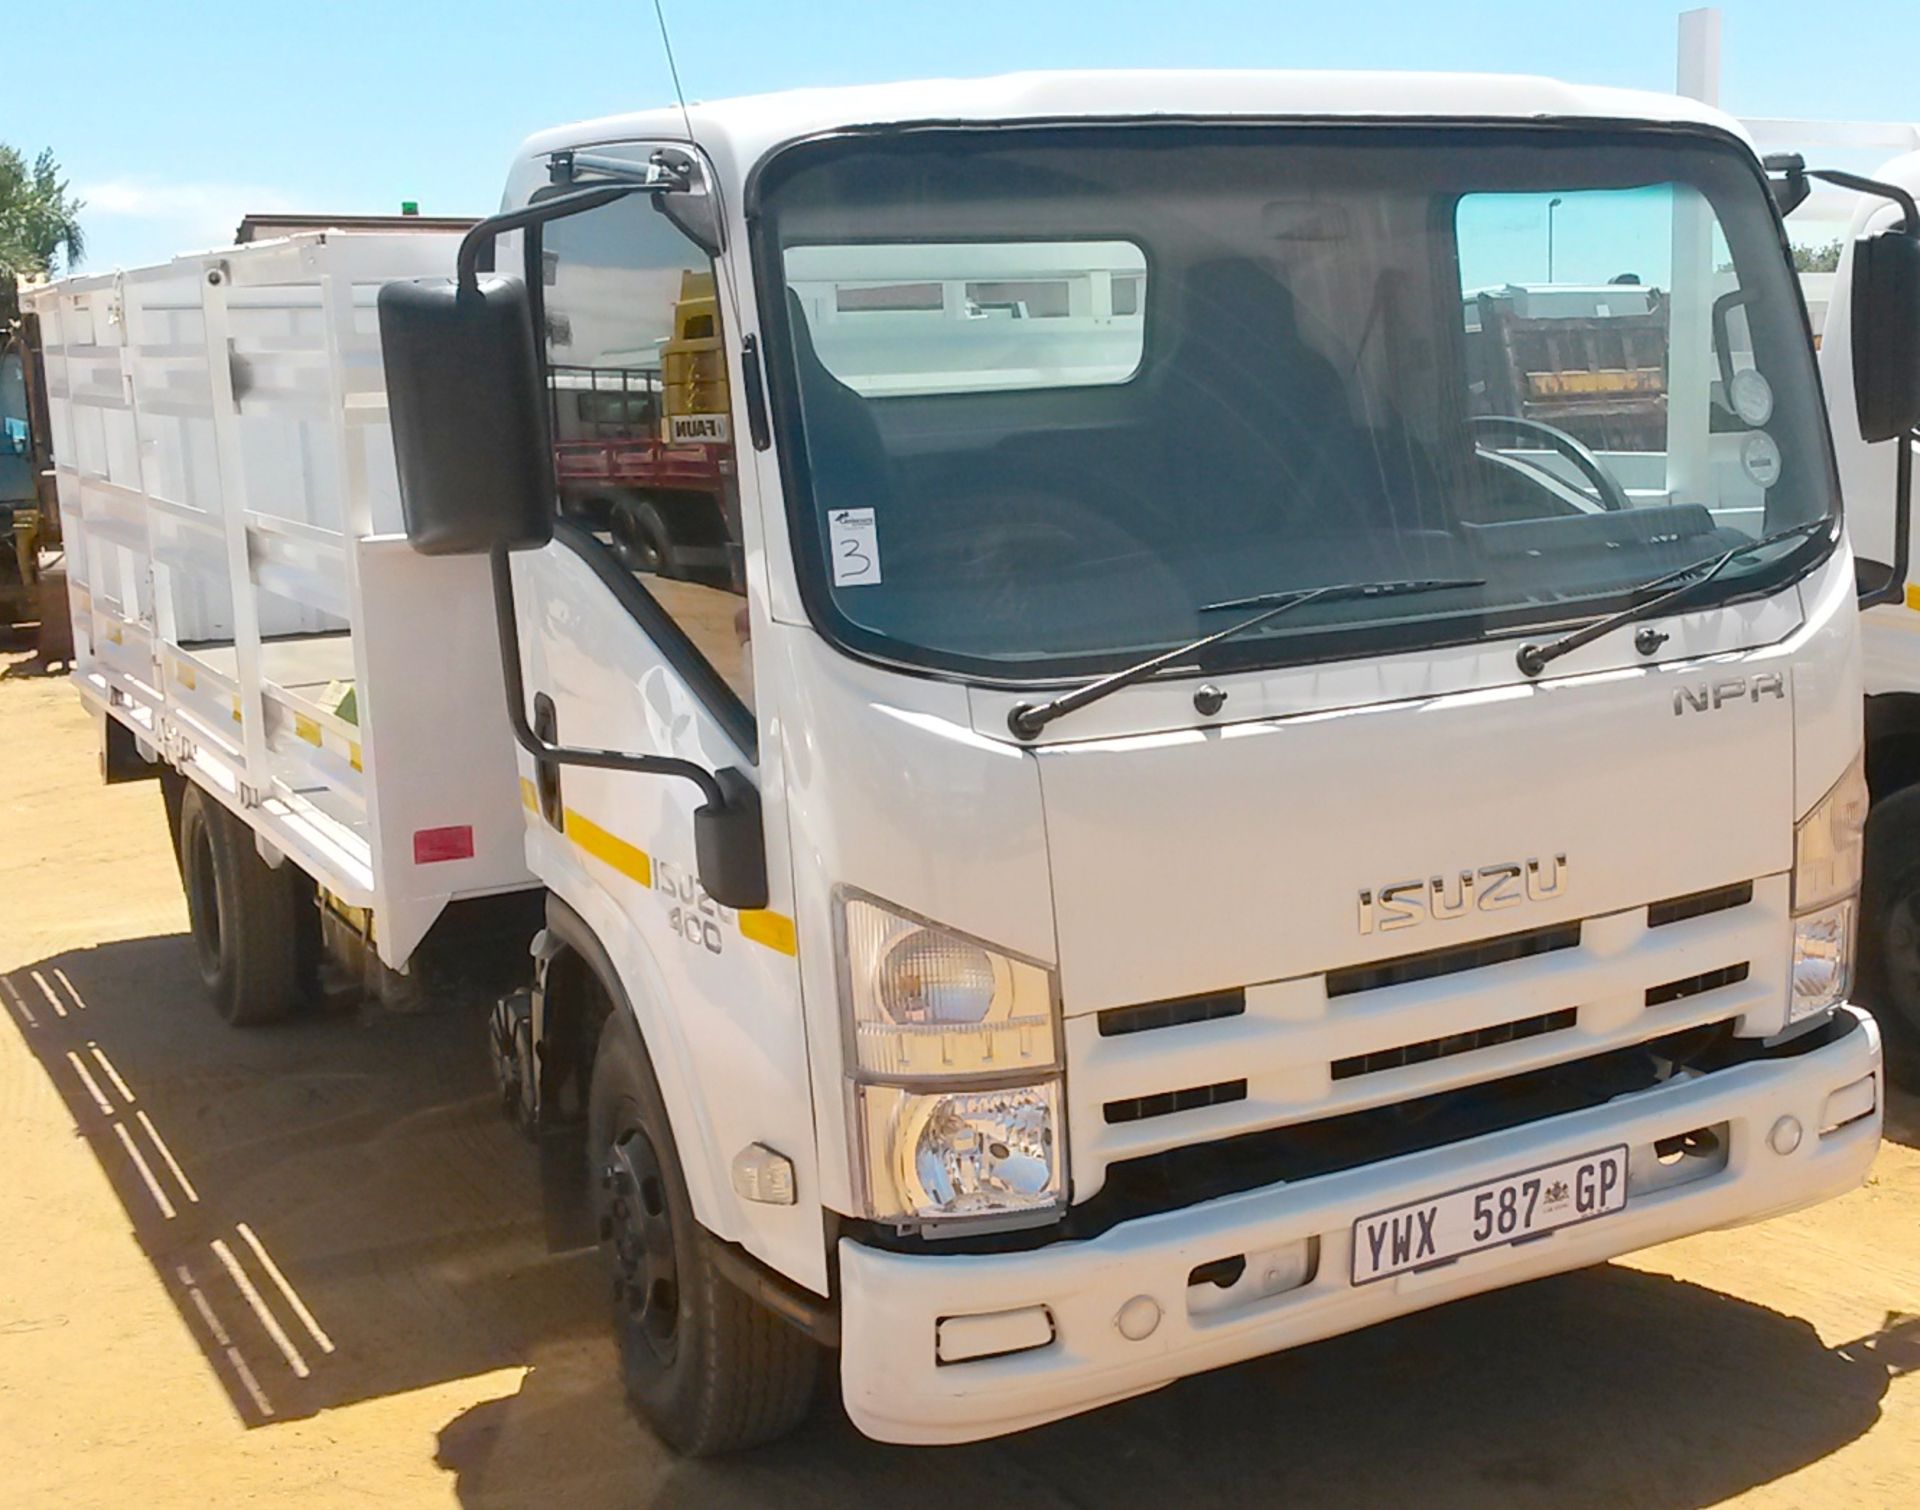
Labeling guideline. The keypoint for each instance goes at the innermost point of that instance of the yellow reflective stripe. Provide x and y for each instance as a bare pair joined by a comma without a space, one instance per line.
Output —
353,755
183,674
307,728
609,849
774,929
1913,595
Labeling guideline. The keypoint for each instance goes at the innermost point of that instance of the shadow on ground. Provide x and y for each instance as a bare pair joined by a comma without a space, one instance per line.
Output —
340,1213
1605,1387
359,1158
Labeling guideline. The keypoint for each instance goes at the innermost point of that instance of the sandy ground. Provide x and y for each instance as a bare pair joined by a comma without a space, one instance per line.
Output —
309,1262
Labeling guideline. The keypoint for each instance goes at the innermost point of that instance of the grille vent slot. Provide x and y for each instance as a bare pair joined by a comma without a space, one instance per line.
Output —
1171,1014
1166,1103
1697,904
1697,985
1453,960
1453,1043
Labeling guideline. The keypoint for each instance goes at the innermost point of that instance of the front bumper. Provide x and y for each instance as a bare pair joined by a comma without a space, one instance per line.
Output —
892,1304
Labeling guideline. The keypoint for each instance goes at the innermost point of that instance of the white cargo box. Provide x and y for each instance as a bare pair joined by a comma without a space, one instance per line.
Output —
243,598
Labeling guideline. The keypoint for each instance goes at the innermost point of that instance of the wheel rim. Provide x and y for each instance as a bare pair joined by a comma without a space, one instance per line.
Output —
203,892
636,1237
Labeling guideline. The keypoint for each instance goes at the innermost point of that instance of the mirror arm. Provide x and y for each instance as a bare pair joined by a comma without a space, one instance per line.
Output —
540,749
479,240
1863,185
1894,589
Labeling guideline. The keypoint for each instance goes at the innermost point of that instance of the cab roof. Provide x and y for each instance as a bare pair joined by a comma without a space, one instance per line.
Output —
738,133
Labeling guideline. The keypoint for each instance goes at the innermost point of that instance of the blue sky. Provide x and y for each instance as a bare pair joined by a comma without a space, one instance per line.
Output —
173,119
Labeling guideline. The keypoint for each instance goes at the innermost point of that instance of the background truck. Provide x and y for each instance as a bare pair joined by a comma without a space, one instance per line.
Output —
32,580
641,451
1196,823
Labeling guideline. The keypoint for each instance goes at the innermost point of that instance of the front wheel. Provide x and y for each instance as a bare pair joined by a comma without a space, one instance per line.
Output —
704,1365
1889,946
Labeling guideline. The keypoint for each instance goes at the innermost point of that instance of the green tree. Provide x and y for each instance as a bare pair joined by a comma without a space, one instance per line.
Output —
1817,259
39,221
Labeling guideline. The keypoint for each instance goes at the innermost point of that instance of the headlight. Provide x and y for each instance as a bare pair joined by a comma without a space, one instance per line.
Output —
962,1153
954,1050
1827,843
930,1004
1822,960
1827,846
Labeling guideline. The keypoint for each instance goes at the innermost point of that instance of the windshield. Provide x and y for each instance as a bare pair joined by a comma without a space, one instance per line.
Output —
1056,390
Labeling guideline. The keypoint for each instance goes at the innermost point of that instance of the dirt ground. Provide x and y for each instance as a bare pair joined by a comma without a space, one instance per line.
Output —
309,1262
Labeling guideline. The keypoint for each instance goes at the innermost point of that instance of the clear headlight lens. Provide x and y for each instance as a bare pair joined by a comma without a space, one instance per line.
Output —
1827,849
962,1153
927,1003
1822,959
954,1050
1828,842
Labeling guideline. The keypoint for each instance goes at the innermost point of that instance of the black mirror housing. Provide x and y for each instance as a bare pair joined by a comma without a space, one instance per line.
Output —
1886,334
469,415
730,845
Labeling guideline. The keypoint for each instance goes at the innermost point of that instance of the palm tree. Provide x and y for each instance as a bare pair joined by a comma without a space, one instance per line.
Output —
39,223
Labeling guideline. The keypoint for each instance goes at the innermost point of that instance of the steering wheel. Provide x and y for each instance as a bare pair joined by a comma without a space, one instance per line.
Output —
1613,497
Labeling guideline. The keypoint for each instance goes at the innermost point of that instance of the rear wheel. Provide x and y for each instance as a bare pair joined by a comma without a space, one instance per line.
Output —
1890,931
642,538
705,1366
247,918
173,791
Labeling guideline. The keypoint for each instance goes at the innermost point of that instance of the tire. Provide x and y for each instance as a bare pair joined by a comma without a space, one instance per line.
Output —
173,791
642,538
707,1368
1890,931
246,917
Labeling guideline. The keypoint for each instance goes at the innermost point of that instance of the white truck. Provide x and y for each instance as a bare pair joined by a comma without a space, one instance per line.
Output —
1197,826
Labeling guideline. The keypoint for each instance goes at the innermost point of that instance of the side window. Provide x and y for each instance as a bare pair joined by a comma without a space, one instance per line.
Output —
642,440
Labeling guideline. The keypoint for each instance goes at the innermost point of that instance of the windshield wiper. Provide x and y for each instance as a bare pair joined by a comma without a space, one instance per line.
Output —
1534,659
1028,719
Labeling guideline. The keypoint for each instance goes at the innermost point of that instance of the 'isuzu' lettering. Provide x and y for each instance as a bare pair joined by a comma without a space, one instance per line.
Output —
1488,889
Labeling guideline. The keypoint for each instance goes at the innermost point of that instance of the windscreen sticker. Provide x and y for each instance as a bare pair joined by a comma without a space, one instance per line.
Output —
855,547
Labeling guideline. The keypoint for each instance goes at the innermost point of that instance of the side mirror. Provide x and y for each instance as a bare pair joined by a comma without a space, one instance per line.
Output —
469,415
1886,334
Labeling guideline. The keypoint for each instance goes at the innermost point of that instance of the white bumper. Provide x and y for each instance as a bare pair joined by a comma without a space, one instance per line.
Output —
892,1304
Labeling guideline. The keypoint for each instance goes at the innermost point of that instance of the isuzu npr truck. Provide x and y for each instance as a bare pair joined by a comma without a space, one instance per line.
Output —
1200,822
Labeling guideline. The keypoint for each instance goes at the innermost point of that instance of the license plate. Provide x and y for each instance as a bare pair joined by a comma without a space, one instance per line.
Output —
1493,1214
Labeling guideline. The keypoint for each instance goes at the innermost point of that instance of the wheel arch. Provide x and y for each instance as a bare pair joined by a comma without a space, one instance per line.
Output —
581,987
1893,743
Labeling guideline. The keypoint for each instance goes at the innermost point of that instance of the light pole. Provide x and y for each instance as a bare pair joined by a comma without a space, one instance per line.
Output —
1552,205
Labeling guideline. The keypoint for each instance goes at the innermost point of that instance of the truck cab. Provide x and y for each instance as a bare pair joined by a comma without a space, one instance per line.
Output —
1268,733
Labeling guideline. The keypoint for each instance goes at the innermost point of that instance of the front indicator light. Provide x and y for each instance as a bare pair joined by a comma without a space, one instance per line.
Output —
1828,843
964,1153
1827,851
927,1003
1822,960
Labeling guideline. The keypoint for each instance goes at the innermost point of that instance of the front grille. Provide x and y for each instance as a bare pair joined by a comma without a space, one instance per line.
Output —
1172,1014
1450,961
1697,904
1166,1103
1697,985
1148,1079
1454,1043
